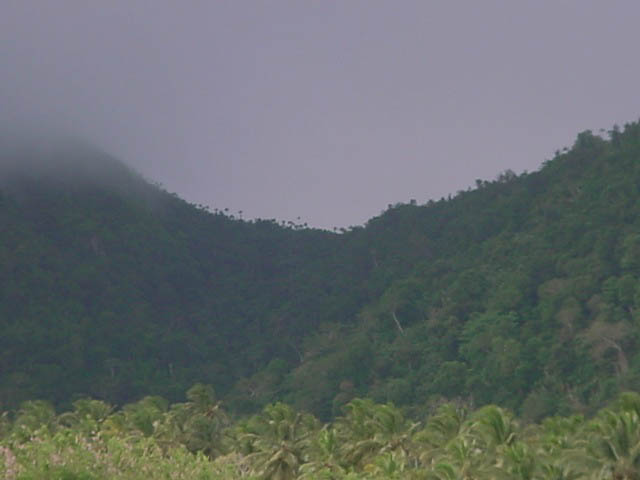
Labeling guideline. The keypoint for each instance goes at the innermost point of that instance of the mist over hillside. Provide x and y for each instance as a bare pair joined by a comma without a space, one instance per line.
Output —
54,159
522,292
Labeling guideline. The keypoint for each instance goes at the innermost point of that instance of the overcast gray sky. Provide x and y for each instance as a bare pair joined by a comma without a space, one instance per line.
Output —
322,110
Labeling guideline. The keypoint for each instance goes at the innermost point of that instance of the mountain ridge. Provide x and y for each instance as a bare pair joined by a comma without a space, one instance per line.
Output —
498,295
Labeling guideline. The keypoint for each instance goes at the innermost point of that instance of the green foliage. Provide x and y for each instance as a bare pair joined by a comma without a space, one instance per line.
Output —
370,441
524,292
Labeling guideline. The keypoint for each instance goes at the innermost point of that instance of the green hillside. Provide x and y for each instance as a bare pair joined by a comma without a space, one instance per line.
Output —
521,292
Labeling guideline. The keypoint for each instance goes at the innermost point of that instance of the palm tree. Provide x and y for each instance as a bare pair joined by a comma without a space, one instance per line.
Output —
144,415
628,402
278,439
467,458
616,444
462,459
494,426
557,434
324,456
369,429
32,416
198,424
518,461
441,428
557,446
482,446
87,416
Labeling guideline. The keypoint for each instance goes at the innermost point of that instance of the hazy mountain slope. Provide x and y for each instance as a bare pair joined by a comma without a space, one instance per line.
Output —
520,292
114,287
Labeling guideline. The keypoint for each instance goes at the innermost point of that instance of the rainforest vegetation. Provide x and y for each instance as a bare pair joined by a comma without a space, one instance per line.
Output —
196,439
369,351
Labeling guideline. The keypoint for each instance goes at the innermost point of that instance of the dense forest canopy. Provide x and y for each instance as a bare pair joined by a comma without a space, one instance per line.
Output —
522,292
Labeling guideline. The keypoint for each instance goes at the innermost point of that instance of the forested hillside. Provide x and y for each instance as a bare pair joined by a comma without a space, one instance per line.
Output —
522,292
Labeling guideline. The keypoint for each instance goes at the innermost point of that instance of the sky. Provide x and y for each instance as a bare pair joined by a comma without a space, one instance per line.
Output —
319,111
